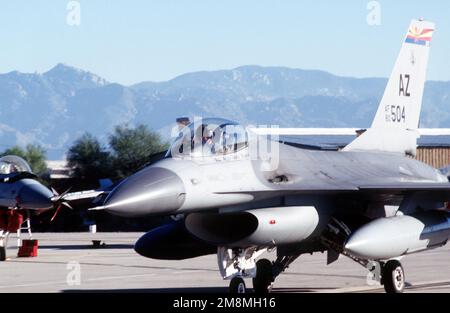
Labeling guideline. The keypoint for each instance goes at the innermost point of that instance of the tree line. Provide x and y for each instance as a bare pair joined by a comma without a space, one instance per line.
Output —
127,150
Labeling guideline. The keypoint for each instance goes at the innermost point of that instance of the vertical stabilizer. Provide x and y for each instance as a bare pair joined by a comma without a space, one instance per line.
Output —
394,128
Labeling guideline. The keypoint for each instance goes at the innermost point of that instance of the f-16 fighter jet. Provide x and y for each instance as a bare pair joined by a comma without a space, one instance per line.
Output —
239,196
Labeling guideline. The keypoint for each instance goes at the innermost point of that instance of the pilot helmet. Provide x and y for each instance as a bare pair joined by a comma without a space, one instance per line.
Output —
5,168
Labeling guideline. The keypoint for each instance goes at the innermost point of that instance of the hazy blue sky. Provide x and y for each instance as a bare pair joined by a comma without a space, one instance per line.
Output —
132,41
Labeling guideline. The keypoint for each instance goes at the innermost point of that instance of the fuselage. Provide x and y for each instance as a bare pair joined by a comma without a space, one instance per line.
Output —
217,182
26,193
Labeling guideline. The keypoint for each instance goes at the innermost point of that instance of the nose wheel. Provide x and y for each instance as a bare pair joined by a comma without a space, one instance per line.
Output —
393,277
237,285
263,280
3,248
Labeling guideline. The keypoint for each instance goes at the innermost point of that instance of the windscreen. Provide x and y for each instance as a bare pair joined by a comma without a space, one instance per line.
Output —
13,164
209,137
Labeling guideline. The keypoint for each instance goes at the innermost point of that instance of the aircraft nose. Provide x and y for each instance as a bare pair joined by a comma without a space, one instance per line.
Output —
152,190
34,195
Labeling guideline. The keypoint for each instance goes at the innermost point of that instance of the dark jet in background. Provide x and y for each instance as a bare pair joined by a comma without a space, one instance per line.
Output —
20,194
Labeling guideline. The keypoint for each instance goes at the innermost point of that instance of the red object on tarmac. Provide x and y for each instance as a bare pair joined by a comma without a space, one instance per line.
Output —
28,249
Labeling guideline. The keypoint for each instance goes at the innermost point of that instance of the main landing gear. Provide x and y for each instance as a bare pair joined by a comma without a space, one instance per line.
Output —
393,277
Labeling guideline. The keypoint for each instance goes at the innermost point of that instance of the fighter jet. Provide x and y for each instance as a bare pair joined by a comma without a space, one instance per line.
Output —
20,194
240,195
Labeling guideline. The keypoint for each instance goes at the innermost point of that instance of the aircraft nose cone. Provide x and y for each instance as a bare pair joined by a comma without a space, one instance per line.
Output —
152,190
34,195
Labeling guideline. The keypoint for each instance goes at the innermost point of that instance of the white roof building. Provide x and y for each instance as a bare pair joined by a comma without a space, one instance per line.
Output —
58,169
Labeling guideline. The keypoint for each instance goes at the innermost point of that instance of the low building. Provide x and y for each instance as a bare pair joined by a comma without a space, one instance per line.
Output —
435,153
59,169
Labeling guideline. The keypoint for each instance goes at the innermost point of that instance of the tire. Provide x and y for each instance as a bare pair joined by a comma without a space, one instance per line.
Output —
237,285
264,277
393,277
2,253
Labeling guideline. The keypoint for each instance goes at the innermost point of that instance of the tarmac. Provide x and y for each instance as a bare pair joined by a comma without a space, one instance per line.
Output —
68,262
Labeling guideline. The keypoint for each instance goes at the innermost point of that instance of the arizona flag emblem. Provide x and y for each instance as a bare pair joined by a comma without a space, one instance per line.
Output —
419,36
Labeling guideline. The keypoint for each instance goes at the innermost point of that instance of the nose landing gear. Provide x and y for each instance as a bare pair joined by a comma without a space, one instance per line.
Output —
262,282
237,264
3,245
237,285
2,253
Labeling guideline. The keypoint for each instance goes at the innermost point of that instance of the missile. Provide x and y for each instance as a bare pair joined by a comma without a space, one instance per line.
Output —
392,237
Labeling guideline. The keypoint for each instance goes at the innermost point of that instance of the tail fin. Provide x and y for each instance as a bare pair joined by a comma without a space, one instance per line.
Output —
394,128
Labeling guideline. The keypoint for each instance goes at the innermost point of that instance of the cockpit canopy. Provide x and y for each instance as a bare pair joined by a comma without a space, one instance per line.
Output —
209,137
13,164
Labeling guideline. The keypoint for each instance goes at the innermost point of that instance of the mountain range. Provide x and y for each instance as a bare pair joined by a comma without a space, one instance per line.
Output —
56,107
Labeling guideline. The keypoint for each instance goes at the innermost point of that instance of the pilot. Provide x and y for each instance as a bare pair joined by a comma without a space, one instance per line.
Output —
207,137
224,140
204,136
14,168
208,140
